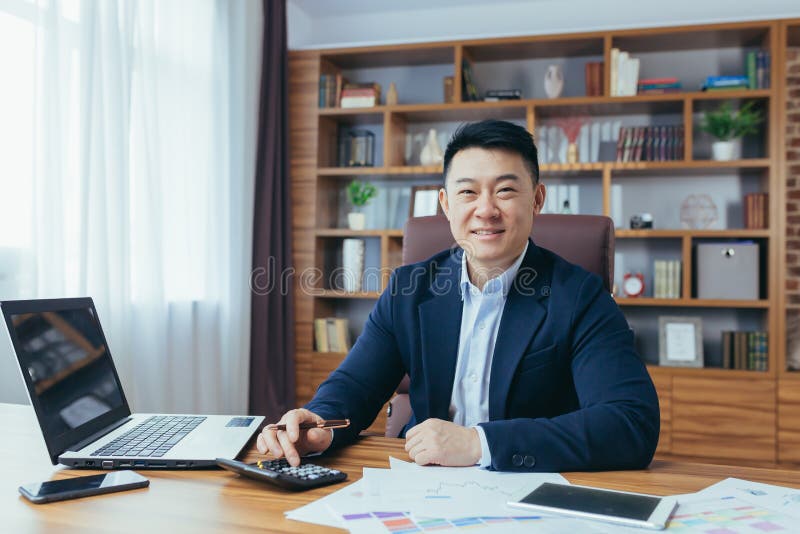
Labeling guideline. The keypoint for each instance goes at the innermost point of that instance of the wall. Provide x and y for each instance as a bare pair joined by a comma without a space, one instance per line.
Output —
320,23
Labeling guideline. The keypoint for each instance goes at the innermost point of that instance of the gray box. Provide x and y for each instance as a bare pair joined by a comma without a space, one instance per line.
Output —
727,271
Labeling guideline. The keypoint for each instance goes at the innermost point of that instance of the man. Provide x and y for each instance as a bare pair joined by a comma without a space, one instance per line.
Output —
518,360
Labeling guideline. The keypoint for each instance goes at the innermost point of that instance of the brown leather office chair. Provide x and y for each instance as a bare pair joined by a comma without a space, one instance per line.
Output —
586,240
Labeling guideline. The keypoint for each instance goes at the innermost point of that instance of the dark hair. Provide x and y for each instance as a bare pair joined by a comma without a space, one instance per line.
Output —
491,134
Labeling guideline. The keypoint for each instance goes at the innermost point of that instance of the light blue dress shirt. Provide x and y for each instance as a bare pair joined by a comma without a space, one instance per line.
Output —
480,322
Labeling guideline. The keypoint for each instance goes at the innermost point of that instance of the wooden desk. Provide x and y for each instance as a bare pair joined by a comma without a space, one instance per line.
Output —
218,501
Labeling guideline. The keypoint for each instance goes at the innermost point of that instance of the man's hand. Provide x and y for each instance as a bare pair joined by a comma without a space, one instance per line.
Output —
443,443
294,442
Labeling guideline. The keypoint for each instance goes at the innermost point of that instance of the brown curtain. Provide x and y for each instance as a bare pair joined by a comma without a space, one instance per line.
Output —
272,327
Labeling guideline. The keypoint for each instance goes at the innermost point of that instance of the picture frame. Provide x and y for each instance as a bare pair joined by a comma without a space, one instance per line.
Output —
424,201
680,341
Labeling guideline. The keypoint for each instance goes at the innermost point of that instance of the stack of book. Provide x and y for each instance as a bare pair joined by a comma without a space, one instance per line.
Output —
656,86
360,95
331,335
726,83
594,78
745,350
667,284
624,73
758,70
756,211
650,143
495,95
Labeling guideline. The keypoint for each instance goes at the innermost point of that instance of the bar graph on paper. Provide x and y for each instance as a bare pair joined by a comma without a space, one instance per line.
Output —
405,523
729,515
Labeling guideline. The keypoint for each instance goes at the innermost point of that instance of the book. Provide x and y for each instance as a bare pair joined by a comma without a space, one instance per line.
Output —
614,71
750,68
330,330
321,335
469,92
342,335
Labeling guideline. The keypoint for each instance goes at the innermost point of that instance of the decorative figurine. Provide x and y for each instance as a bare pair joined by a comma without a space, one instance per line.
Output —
554,81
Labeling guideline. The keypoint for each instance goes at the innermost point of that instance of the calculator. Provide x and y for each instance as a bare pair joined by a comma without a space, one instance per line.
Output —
279,472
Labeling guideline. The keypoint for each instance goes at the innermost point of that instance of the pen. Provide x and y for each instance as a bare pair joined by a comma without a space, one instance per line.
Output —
331,423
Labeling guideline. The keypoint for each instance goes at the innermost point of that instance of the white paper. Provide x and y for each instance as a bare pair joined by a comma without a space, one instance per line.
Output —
778,498
451,492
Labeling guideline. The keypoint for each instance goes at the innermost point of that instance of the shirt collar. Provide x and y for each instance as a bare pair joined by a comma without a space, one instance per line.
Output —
501,282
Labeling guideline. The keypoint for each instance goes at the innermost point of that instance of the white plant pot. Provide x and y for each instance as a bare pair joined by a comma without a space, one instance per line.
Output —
352,264
726,150
356,221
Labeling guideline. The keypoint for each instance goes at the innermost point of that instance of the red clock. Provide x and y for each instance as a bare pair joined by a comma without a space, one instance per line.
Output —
633,284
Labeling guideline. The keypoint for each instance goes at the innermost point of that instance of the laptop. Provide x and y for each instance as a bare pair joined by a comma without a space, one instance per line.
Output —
78,399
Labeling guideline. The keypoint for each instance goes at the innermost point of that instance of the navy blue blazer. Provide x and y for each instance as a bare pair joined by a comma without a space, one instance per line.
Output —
567,390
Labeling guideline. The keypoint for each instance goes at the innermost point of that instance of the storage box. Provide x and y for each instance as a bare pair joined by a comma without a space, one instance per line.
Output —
727,271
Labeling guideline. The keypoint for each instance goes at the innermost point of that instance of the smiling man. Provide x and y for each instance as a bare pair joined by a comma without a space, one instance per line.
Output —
517,359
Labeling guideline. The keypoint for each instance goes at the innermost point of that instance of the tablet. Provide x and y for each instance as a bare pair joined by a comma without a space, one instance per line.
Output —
631,509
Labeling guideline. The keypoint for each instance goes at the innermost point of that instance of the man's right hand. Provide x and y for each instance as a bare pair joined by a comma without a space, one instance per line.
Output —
294,442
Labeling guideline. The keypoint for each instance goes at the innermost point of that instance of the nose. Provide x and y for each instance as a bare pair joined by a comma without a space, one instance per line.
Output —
487,207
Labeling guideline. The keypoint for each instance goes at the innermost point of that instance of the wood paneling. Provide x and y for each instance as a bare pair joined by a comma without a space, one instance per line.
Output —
730,418
789,421
663,383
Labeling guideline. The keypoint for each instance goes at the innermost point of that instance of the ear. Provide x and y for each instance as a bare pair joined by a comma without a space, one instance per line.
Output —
538,198
444,203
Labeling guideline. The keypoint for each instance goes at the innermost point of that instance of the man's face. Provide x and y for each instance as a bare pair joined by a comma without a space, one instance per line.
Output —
490,201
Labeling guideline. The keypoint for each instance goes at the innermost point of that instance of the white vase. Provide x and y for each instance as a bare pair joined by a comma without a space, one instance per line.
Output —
431,153
352,264
356,220
554,81
726,150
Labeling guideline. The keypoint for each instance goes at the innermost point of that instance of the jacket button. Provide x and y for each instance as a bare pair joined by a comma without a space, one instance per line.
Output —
516,460
530,461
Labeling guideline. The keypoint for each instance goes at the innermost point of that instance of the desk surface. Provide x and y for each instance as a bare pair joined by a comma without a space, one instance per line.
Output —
216,500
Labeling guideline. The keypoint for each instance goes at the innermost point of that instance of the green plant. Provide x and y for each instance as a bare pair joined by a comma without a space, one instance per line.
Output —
726,124
359,193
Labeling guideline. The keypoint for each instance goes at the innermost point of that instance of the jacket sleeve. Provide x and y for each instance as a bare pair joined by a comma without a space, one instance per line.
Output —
617,423
367,377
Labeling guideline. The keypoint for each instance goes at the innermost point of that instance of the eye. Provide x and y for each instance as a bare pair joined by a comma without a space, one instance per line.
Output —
466,192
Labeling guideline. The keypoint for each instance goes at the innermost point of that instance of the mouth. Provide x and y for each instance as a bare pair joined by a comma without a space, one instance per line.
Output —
487,232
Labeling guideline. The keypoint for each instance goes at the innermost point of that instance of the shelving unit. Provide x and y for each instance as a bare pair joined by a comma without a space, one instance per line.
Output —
690,426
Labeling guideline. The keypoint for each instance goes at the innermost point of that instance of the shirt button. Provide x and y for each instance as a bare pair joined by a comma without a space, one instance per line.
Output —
473,377
529,461
516,460
481,325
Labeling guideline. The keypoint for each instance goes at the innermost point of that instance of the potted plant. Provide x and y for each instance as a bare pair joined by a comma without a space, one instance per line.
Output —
359,193
729,126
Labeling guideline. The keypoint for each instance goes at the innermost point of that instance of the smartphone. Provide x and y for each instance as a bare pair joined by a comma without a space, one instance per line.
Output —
621,507
73,488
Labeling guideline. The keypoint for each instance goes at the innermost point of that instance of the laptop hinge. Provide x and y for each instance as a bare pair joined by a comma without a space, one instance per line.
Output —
99,434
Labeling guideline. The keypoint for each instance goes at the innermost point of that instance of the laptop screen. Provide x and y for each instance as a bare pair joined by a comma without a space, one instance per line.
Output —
68,369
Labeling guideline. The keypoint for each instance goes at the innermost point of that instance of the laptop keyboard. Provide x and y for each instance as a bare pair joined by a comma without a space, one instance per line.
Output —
153,437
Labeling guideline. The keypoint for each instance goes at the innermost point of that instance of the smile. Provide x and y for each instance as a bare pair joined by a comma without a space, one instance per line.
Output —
487,232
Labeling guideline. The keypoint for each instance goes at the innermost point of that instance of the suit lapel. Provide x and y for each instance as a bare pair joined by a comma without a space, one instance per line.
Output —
523,313
440,325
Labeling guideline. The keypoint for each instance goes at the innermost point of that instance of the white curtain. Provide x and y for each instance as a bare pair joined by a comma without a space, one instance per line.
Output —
137,184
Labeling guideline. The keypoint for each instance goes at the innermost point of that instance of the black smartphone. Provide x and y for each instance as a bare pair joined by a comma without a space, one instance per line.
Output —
73,488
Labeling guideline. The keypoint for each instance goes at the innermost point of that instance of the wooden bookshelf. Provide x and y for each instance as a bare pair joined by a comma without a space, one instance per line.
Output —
698,406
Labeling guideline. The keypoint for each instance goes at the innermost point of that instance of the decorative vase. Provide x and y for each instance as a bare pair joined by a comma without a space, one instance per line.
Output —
554,81
352,264
572,153
431,153
391,95
726,150
356,220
